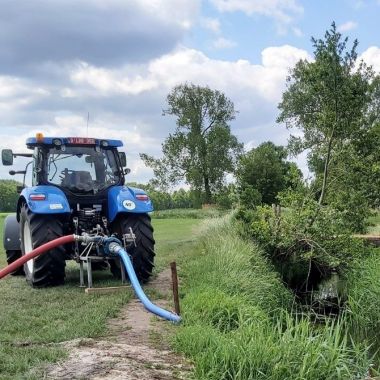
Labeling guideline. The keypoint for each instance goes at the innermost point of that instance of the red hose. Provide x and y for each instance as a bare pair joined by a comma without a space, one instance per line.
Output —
36,252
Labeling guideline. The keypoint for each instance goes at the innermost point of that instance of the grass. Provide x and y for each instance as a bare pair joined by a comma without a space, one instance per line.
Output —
237,323
237,313
375,222
363,289
33,320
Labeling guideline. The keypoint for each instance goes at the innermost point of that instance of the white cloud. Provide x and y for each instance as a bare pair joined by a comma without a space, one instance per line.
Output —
212,24
371,56
297,32
280,10
139,94
223,43
109,81
182,12
347,26
191,65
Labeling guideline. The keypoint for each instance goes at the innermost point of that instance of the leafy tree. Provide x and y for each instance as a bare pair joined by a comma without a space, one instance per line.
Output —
263,172
8,195
328,100
202,149
163,200
226,197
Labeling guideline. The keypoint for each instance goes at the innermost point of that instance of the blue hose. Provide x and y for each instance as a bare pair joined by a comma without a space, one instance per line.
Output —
115,248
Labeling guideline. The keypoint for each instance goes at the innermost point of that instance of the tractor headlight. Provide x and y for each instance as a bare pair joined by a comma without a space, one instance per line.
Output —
104,143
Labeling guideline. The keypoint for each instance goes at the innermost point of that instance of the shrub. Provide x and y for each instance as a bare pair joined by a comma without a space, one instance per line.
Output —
305,241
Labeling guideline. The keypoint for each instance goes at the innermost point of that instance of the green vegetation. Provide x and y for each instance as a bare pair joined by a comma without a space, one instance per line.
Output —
188,213
374,222
304,255
8,195
237,320
263,172
333,101
363,304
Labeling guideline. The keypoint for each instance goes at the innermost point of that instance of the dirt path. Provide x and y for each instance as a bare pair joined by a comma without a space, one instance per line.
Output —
134,348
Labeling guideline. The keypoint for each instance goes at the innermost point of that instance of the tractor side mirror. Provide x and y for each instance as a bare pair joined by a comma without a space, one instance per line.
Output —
7,157
123,159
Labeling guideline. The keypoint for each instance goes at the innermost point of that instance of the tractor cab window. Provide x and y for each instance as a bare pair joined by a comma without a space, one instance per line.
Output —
82,169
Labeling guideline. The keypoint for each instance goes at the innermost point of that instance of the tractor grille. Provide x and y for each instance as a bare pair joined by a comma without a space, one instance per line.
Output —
88,218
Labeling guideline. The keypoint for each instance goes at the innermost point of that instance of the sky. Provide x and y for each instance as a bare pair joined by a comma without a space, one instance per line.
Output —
117,60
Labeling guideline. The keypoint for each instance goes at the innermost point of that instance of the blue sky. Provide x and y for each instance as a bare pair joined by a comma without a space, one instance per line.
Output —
254,32
118,59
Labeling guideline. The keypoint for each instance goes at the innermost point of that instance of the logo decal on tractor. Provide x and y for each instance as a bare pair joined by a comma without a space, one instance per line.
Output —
56,206
129,205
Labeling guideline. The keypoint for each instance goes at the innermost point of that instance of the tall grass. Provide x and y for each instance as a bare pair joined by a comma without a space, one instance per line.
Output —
363,290
237,324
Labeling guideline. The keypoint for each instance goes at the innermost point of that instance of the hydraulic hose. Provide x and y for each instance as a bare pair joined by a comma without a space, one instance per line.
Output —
36,252
150,306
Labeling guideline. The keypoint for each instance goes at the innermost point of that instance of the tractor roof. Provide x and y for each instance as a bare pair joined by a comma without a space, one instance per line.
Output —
39,140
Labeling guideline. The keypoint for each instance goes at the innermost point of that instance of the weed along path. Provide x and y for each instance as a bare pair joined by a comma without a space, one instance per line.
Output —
62,333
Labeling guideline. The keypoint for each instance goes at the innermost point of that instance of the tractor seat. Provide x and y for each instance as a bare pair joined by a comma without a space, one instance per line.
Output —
80,180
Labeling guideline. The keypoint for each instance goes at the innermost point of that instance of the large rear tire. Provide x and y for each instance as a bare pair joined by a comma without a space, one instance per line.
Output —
143,253
13,256
47,269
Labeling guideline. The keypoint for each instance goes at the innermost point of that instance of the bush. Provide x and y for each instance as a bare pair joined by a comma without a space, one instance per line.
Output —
305,242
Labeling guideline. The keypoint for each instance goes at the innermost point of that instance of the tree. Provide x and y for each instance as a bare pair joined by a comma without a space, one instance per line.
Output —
328,101
8,195
263,172
202,149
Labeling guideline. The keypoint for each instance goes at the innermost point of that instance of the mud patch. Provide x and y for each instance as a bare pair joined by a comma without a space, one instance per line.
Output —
135,347
90,359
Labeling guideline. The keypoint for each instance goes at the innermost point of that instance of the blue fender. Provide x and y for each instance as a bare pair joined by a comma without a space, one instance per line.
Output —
122,199
55,201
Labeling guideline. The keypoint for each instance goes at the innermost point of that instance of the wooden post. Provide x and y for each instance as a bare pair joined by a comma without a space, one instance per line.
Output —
173,267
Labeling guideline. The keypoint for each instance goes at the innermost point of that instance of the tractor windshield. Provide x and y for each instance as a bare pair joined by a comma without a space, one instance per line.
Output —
82,169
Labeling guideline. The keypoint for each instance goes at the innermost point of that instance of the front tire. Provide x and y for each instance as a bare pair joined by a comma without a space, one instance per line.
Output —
143,253
47,269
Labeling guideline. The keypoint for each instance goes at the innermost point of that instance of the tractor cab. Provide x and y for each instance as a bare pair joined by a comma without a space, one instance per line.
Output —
77,165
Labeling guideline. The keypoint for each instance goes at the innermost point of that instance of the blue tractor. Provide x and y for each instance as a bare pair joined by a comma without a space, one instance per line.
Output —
77,188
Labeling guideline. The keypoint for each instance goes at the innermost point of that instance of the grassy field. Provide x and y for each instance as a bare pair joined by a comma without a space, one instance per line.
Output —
32,320
238,321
